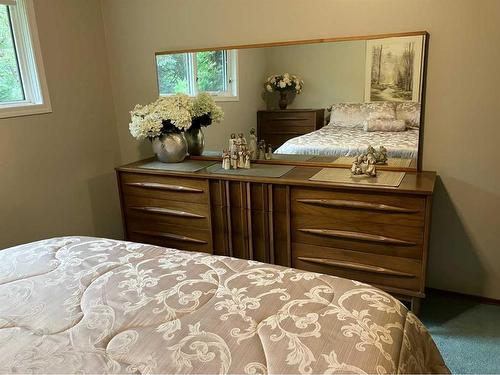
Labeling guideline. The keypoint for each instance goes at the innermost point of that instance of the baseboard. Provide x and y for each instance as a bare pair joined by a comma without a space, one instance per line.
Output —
470,297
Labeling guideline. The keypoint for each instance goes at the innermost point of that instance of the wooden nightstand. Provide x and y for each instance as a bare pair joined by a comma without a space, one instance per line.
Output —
278,126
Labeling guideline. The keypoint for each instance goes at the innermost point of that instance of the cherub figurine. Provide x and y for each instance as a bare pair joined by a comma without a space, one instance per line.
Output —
252,144
226,162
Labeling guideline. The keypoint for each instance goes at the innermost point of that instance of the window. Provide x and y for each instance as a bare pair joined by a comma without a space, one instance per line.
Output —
23,89
211,71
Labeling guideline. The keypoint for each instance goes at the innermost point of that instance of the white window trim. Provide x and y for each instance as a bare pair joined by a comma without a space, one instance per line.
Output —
31,67
231,95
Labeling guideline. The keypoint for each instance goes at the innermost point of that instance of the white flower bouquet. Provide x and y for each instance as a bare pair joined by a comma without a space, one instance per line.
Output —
284,82
173,114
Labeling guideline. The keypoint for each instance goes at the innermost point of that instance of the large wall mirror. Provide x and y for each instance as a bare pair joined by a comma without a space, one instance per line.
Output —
341,95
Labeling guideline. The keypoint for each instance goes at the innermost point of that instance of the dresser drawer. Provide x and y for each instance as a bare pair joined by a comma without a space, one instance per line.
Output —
165,187
373,269
369,223
289,116
174,236
406,209
154,210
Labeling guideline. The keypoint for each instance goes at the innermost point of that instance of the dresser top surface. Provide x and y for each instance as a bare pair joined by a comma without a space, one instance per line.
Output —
421,183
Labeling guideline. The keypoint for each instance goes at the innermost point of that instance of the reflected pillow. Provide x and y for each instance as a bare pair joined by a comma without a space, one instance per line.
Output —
381,110
410,113
351,115
348,115
384,125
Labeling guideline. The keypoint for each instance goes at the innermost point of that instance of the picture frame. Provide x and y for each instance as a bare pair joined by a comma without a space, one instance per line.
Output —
394,69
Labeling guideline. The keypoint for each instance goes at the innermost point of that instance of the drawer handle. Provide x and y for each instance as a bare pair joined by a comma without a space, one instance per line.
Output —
167,211
155,185
358,205
169,236
356,266
357,236
289,118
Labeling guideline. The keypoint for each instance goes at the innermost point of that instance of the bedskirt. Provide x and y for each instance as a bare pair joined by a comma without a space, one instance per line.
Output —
91,305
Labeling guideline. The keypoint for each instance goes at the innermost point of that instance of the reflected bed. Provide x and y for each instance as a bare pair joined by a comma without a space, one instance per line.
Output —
333,140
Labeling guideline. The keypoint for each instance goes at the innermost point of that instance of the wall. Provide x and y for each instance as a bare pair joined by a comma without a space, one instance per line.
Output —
56,170
332,72
461,120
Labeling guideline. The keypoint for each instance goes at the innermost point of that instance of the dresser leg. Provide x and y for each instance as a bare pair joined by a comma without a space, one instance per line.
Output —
415,305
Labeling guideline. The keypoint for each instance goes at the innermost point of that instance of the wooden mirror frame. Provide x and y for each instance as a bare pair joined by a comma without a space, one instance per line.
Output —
322,164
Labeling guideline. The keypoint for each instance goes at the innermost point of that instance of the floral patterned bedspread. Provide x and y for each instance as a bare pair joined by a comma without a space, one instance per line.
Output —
90,305
334,140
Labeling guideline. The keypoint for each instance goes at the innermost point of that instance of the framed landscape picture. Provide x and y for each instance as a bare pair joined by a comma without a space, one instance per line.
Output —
394,69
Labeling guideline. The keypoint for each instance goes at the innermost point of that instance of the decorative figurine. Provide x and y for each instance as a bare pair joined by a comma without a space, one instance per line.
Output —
241,158
242,140
262,150
232,143
226,162
381,155
234,160
269,153
252,144
364,164
247,160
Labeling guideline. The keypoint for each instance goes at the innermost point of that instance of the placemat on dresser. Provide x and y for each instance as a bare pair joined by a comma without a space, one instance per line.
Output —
257,170
343,176
184,166
391,162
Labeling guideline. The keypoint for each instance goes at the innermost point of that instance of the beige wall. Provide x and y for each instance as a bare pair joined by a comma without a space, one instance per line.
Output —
461,130
56,170
332,72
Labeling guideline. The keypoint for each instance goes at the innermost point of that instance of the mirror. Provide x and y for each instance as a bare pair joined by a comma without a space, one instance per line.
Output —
339,96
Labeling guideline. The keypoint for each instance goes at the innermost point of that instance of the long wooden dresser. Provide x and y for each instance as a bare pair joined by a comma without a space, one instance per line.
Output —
377,235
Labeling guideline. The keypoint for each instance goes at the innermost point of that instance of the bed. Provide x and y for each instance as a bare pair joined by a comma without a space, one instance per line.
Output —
333,140
91,305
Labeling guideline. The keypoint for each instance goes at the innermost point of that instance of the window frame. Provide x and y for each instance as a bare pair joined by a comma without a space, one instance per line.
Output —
30,63
231,94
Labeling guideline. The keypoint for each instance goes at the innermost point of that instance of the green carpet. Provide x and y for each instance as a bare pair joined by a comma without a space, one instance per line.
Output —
467,333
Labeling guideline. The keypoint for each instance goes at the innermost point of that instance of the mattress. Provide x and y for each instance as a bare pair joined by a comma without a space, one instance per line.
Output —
333,140
90,305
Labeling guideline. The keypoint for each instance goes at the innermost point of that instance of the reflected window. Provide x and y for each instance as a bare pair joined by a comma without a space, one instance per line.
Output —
189,73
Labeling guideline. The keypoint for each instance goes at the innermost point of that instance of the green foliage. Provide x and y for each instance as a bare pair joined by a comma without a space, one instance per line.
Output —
174,72
10,80
210,71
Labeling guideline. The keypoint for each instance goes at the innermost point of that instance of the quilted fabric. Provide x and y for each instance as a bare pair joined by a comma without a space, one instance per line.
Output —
90,305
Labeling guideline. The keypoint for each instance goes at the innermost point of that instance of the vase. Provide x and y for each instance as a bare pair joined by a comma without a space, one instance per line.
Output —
195,140
170,147
283,99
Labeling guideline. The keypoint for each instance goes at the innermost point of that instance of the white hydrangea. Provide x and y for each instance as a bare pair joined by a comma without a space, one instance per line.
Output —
147,121
284,82
204,104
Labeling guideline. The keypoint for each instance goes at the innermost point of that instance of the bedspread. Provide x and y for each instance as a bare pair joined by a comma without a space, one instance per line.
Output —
333,140
90,305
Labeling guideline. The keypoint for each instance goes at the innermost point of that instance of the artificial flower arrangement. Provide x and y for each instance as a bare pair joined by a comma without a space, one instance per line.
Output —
284,82
173,114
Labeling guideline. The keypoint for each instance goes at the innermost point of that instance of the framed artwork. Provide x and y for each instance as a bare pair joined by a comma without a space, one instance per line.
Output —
394,69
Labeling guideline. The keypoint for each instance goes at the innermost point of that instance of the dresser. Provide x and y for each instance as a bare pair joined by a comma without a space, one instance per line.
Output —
376,235
278,126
